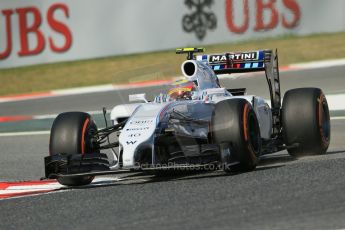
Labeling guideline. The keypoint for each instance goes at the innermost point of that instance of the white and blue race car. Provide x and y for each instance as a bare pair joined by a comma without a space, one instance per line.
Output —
195,124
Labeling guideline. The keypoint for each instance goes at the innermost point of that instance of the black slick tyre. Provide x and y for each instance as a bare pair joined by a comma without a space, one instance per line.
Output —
236,127
70,134
306,122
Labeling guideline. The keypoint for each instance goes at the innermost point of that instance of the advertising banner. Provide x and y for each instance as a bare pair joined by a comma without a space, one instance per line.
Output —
45,31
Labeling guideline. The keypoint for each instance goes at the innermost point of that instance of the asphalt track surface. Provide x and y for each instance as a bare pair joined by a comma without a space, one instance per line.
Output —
282,193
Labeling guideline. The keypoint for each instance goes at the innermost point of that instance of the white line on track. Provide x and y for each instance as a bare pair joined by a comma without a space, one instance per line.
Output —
319,64
338,118
29,133
52,116
336,101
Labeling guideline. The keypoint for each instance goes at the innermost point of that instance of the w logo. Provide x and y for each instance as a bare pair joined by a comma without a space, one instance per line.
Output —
131,142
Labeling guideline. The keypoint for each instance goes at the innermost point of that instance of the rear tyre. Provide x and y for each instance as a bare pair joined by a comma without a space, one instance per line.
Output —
306,121
70,134
236,128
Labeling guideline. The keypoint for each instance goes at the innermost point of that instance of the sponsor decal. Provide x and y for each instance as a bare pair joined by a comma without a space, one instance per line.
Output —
131,142
238,16
289,18
244,56
218,58
200,20
139,122
234,56
33,28
138,129
134,135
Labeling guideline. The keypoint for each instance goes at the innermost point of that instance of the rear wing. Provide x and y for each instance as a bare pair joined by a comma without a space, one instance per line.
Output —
236,62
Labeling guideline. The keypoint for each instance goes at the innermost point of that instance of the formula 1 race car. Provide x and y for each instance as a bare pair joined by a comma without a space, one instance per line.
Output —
196,123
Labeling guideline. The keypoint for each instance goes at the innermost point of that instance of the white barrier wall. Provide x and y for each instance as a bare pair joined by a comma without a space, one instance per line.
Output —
43,31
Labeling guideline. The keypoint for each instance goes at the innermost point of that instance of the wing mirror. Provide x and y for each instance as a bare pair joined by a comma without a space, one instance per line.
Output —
138,97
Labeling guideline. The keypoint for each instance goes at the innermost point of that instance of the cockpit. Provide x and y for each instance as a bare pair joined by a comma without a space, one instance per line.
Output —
197,77
182,90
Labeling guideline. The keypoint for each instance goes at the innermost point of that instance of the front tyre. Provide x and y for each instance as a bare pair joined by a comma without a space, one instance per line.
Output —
306,121
71,134
235,127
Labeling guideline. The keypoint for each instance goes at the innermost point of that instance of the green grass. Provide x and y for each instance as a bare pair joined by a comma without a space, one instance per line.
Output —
158,65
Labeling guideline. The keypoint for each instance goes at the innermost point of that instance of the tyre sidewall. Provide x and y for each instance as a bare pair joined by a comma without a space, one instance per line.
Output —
301,113
71,134
230,125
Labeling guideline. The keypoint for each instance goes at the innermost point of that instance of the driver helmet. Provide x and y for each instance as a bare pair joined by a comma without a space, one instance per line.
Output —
182,90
